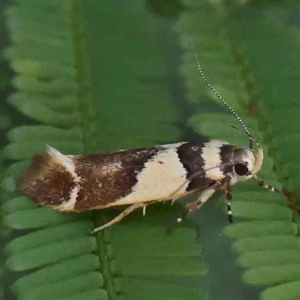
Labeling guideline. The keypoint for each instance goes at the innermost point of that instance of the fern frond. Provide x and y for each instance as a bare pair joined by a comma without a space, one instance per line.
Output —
220,36
89,90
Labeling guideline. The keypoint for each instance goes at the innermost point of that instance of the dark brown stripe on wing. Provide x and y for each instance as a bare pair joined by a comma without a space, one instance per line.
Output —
191,158
226,154
106,178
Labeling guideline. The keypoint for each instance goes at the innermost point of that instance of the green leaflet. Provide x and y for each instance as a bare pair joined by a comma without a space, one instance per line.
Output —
283,291
232,44
88,90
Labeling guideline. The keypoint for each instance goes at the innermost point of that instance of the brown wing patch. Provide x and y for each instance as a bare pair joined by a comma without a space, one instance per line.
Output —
46,182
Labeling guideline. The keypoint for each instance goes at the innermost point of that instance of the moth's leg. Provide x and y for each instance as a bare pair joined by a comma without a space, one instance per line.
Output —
119,217
228,197
201,199
144,206
144,210
262,184
195,205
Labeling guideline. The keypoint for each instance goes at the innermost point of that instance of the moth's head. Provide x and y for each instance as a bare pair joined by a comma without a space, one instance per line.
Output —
245,164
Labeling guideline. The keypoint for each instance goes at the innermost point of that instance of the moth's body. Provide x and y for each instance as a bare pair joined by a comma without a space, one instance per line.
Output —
146,175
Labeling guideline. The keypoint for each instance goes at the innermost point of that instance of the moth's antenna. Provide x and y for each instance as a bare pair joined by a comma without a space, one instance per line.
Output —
250,136
220,97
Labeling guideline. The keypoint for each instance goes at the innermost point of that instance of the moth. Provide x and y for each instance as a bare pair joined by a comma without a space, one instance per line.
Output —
139,177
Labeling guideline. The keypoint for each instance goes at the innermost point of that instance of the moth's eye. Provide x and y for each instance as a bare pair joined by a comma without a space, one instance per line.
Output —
241,169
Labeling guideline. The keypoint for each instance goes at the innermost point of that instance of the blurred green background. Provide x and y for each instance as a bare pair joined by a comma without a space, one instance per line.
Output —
95,76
